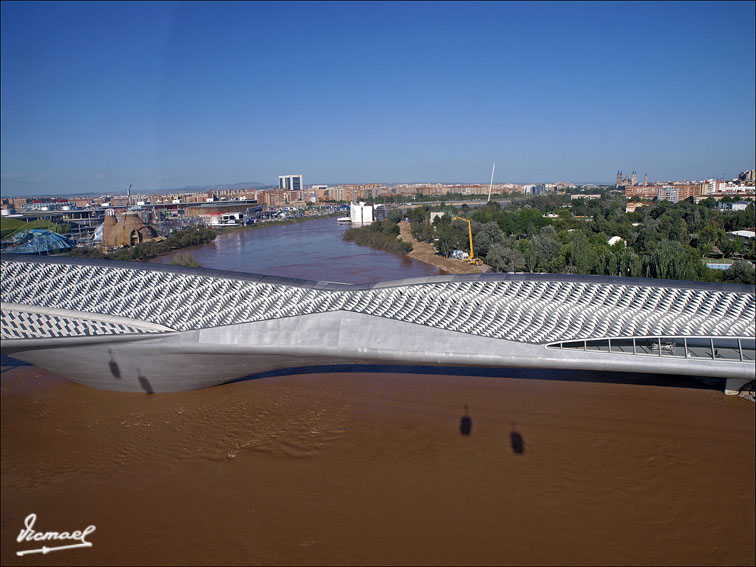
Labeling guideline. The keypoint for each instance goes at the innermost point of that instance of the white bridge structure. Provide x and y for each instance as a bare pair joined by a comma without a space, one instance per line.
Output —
158,328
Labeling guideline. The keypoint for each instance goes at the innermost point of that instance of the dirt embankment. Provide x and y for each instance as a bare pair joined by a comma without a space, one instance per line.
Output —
424,252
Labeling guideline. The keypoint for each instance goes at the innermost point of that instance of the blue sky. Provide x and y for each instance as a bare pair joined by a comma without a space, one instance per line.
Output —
99,95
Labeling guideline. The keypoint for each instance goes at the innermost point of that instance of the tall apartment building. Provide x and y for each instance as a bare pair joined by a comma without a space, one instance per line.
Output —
290,182
713,186
668,193
282,198
687,190
642,191
681,191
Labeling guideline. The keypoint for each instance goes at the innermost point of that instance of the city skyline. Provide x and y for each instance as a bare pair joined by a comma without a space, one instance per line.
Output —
96,96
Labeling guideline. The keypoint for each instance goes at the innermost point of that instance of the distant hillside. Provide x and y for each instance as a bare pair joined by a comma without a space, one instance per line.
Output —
138,191
243,185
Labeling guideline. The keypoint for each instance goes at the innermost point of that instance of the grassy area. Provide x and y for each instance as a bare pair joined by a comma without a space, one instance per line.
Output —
9,226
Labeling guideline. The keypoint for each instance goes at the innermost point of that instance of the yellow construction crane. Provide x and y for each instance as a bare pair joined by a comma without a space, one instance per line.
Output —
472,259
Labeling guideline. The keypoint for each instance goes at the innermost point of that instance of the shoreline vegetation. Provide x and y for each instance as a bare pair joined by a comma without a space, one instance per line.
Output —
184,259
380,235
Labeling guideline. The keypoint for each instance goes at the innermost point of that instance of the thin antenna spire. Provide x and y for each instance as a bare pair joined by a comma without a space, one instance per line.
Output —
490,187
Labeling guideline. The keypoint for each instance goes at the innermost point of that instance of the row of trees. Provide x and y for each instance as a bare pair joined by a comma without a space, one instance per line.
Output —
664,240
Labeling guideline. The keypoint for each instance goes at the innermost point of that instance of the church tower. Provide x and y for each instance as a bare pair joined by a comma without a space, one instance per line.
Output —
619,178
645,179
635,179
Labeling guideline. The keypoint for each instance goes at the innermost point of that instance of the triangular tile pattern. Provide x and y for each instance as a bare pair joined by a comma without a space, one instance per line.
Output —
25,325
526,311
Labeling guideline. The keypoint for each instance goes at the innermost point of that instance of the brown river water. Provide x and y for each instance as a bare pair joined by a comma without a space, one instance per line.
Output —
313,250
376,465
373,468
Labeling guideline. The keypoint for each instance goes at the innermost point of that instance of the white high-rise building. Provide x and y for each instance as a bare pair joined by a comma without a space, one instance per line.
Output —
360,213
290,182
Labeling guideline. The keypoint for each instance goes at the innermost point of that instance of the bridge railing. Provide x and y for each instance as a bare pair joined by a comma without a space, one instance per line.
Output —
735,349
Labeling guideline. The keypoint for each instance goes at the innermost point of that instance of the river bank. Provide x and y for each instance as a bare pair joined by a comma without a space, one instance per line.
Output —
424,252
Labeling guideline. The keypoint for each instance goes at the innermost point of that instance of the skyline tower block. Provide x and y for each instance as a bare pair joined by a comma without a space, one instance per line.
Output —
290,182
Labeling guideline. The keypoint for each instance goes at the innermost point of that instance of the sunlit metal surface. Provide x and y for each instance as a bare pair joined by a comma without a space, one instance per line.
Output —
214,326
